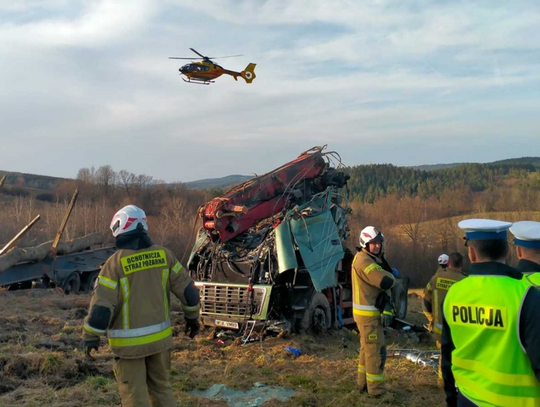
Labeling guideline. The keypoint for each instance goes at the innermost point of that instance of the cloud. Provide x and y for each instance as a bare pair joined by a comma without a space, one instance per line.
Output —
383,81
92,24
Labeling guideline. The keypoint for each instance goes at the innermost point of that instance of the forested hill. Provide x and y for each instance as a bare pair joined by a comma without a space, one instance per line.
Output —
369,182
22,184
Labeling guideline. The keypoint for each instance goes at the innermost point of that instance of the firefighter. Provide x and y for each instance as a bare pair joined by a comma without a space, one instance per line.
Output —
527,241
130,304
491,335
442,262
372,308
436,291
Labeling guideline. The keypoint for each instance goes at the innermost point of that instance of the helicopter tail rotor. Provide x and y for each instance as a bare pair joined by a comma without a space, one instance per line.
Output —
249,73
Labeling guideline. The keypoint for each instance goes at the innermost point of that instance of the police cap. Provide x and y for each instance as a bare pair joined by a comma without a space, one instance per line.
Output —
484,229
526,233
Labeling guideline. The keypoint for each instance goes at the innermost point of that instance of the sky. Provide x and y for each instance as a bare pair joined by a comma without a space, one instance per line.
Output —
89,83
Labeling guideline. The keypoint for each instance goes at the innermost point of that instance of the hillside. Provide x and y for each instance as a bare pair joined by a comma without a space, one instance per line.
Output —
218,183
431,167
370,182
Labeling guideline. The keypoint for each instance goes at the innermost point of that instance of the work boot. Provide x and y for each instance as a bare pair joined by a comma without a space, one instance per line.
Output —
387,396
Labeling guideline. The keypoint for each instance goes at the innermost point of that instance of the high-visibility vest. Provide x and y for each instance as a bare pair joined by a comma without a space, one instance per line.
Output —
533,278
489,364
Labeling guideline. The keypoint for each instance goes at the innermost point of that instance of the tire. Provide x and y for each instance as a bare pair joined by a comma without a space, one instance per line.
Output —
317,316
72,284
89,281
400,297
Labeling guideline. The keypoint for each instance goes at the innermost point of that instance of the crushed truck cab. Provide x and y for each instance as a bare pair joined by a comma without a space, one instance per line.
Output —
271,254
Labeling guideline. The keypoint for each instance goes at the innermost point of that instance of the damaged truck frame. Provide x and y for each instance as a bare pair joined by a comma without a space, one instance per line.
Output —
271,255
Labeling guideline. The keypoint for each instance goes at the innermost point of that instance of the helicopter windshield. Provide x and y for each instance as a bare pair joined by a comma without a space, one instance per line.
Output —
194,68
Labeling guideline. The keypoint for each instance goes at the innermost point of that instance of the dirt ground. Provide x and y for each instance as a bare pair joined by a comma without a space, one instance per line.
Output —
42,363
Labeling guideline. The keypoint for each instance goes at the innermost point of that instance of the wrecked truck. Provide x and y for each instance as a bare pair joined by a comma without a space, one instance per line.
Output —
271,254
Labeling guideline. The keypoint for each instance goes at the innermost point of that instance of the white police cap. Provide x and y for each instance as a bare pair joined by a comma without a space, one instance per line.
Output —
484,229
526,233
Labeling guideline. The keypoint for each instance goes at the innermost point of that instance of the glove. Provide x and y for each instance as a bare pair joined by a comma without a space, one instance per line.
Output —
192,327
89,346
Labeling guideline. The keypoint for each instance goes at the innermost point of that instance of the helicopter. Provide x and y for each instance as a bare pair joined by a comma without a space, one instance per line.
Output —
204,72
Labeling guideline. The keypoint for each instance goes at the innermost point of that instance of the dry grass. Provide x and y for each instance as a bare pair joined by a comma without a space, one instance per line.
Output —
324,375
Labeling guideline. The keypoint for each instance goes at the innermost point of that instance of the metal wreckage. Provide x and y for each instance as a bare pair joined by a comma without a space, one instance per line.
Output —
271,254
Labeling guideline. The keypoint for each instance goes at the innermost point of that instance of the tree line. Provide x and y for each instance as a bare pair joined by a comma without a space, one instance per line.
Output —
417,210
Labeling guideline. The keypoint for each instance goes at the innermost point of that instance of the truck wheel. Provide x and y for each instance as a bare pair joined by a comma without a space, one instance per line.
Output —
90,281
72,284
317,316
400,297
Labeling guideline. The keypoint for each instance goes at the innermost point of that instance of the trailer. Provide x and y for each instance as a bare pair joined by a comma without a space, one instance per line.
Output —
71,266
72,272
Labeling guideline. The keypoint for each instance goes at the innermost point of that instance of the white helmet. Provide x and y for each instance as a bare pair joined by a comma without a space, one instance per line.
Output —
127,219
443,260
370,234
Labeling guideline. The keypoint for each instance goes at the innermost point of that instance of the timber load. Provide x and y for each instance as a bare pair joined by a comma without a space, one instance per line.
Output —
37,253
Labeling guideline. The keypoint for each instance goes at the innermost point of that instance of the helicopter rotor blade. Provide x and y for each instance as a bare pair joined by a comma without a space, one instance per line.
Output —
184,58
198,53
228,56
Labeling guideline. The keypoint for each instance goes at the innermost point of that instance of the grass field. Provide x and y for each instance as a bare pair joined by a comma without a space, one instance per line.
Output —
42,363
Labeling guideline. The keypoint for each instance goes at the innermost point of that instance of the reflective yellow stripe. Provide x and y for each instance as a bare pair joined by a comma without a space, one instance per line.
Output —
437,328
142,340
506,379
125,308
365,313
436,306
372,266
495,398
177,267
164,282
137,332
94,331
387,313
361,369
375,377
191,308
107,282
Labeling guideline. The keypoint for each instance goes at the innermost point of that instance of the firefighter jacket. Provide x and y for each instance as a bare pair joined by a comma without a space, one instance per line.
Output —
491,339
369,279
436,291
531,270
131,301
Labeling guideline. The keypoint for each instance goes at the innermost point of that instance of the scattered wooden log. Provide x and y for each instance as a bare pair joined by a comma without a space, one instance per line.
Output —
38,253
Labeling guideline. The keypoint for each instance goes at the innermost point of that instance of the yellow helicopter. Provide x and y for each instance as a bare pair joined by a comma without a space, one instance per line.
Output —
205,71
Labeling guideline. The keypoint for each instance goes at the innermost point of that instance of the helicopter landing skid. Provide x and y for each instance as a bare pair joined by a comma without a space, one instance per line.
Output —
197,82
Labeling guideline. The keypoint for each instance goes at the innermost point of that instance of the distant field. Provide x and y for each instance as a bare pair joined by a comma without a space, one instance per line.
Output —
324,375
439,227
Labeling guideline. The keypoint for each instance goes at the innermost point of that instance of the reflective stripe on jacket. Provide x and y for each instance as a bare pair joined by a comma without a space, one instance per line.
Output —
489,363
135,286
436,291
367,275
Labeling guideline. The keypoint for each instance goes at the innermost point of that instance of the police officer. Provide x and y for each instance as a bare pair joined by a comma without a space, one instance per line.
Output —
436,291
491,334
372,307
527,241
130,304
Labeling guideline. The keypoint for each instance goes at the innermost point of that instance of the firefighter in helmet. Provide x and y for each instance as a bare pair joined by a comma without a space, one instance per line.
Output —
130,305
372,308
449,272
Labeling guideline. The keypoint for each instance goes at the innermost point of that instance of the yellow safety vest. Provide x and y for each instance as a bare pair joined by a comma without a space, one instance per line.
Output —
489,364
